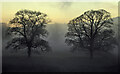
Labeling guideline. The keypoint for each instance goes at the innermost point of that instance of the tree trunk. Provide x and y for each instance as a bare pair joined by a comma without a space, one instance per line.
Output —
91,53
91,49
29,51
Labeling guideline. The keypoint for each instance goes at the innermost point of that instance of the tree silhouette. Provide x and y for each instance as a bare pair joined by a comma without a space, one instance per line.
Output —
91,31
28,30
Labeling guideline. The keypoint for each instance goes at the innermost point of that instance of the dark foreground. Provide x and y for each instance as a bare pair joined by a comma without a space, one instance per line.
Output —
59,64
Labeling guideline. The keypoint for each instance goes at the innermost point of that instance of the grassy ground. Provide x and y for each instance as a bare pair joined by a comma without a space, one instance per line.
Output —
59,63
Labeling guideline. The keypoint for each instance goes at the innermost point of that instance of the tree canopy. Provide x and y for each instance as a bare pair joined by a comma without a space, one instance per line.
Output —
29,29
91,30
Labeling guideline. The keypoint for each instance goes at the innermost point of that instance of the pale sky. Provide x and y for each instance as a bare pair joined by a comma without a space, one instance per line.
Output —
58,12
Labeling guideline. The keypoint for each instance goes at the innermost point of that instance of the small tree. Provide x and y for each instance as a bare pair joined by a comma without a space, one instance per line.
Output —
92,31
28,30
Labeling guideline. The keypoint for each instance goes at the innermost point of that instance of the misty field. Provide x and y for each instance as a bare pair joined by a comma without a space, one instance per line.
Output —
59,63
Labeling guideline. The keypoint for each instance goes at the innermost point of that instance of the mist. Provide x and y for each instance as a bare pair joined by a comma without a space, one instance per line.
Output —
60,59
0,48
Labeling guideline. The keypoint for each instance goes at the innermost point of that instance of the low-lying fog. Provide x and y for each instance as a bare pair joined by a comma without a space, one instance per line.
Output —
60,59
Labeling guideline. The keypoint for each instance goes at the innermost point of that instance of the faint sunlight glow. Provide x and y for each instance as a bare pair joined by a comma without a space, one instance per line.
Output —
58,12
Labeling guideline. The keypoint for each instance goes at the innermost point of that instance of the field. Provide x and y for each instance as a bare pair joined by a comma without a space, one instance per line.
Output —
59,63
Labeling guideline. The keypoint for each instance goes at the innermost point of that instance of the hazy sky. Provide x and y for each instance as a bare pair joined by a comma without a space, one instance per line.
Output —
58,12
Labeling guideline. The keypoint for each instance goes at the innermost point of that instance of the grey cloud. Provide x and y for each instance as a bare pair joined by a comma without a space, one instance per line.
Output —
65,5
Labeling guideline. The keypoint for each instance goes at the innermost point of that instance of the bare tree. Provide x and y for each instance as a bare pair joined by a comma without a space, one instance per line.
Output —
28,29
91,31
